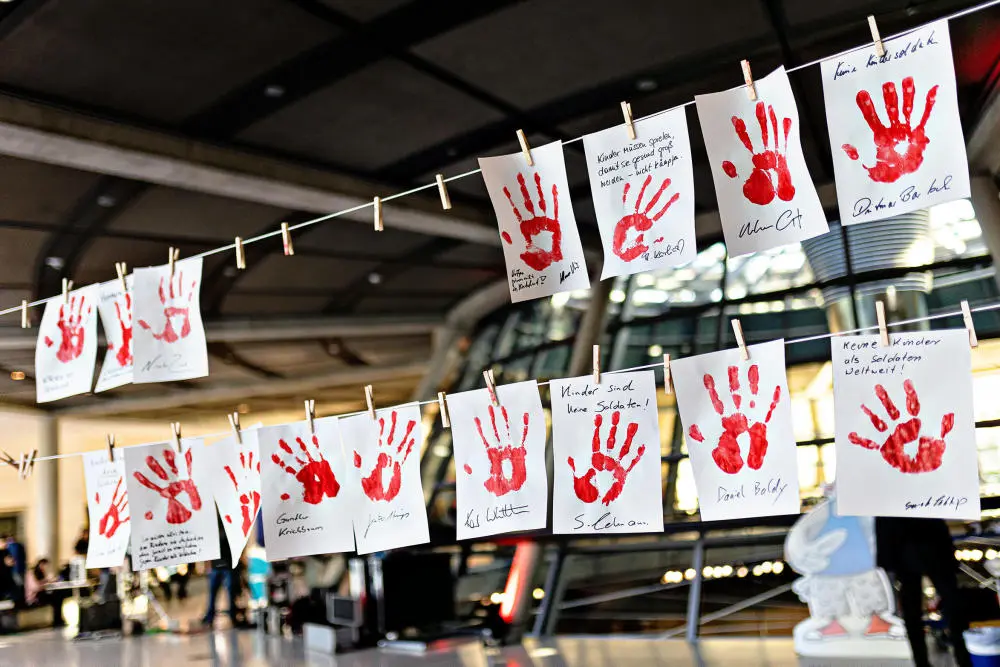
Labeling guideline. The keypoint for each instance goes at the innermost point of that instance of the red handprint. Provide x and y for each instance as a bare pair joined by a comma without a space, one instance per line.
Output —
727,452
761,187
585,488
124,354
640,222
930,450
72,329
890,164
176,511
314,474
112,520
374,484
246,499
502,482
537,258
175,307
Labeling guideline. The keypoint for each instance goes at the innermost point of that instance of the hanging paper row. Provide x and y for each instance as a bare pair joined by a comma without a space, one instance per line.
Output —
895,136
905,445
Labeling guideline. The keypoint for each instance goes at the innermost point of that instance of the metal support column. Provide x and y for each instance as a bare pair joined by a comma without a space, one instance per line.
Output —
555,588
45,481
694,594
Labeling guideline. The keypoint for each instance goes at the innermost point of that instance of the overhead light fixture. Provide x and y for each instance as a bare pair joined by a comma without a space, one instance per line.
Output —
106,201
243,408
274,90
15,375
54,263
646,85
374,277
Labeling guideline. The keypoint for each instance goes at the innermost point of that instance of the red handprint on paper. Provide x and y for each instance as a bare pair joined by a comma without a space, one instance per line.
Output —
584,486
929,451
501,449
112,520
72,329
249,501
762,186
124,353
176,511
314,474
535,256
390,459
640,222
176,307
727,454
890,163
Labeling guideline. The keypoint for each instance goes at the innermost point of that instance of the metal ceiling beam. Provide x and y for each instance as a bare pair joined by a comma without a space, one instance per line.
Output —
287,330
242,391
36,132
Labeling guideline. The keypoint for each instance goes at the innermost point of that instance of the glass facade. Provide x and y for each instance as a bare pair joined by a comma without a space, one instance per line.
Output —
776,294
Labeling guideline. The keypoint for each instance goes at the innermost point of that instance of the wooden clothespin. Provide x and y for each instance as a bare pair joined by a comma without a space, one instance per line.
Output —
111,447
525,148
443,191
234,422
175,429
311,415
377,205
172,256
25,321
8,459
883,332
286,239
370,400
879,48
443,409
738,332
597,364
491,386
667,384
967,318
241,256
21,465
67,288
748,78
629,125
122,270
27,464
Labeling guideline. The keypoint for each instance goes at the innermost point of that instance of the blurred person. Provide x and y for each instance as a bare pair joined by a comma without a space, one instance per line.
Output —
224,572
16,551
82,542
37,595
910,548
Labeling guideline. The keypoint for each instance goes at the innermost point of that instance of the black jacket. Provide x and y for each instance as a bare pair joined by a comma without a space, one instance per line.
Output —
913,545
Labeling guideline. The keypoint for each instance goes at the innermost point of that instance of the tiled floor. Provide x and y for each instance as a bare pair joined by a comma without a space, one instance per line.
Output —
251,649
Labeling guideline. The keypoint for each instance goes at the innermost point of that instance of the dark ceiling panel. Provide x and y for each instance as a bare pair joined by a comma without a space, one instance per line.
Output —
293,272
38,192
364,10
357,120
194,215
540,51
17,255
159,60
236,304
403,306
98,263
351,236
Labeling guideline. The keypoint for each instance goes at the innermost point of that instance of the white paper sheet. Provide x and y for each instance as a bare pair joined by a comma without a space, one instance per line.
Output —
766,196
390,511
107,507
895,133
115,309
540,239
606,449
169,337
737,418
306,507
643,194
170,498
905,429
238,496
501,484
66,350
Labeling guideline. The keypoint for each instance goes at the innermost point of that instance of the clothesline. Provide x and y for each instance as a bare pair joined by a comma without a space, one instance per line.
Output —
429,186
793,341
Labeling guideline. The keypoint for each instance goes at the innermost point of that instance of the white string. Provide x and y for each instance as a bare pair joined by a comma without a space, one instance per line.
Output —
658,364
420,188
